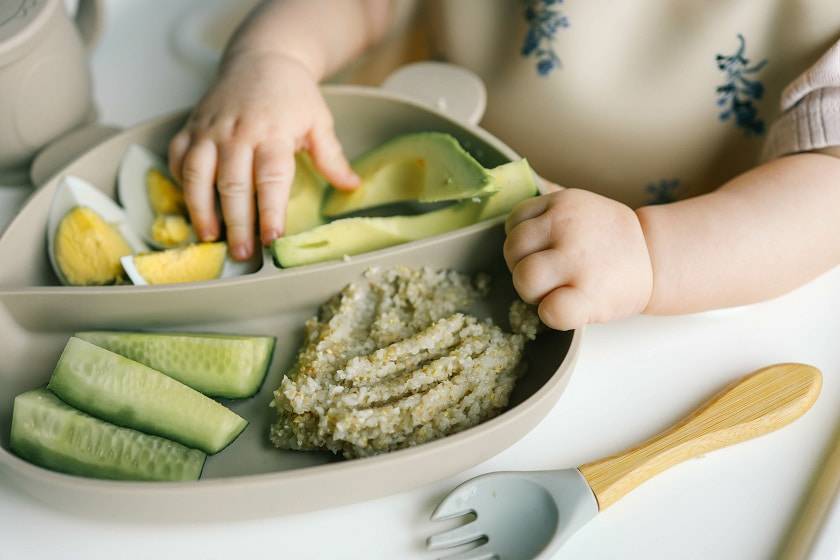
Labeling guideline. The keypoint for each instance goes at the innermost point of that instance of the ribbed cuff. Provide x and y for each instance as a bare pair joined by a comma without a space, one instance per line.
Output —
811,110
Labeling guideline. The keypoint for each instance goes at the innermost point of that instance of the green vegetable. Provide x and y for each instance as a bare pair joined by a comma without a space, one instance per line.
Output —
54,435
305,197
352,236
422,167
129,394
214,364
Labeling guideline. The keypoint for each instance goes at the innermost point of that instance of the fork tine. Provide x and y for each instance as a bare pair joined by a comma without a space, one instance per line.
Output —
480,553
455,537
456,503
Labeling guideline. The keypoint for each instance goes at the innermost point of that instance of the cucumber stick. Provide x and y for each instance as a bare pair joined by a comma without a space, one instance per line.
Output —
130,394
214,364
54,435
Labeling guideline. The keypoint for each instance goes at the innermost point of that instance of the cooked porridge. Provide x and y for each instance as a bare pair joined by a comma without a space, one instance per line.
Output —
393,361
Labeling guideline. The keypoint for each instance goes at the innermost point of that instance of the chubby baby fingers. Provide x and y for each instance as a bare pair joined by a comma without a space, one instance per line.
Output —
526,210
329,158
526,238
197,173
539,273
236,193
178,147
274,171
565,308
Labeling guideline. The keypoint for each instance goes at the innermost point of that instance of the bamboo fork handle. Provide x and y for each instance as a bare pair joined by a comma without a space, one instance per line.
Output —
759,403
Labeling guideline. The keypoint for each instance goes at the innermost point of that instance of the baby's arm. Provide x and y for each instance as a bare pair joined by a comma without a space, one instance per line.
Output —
265,105
760,235
585,258
322,35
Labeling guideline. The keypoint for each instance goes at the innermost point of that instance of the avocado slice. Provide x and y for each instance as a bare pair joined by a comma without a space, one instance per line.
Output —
422,167
516,182
305,197
353,236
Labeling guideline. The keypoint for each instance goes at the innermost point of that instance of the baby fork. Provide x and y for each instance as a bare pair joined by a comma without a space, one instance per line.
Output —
529,515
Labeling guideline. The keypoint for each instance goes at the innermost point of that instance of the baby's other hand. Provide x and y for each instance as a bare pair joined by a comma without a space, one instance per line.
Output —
580,256
241,138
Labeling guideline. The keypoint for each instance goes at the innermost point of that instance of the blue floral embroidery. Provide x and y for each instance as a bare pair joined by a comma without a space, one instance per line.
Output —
736,96
663,191
544,19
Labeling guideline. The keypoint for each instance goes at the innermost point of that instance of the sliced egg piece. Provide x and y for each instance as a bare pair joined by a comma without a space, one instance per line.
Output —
151,198
87,234
165,197
193,263
171,230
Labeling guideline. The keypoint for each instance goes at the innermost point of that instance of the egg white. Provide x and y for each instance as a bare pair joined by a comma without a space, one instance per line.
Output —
72,192
230,269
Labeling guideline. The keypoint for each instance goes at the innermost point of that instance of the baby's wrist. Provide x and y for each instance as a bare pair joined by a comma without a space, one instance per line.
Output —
647,218
274,56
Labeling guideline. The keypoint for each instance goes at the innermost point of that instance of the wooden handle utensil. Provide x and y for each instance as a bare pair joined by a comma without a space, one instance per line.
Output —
759,403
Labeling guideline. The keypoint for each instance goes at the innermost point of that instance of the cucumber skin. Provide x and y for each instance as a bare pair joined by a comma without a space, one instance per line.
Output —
45,453
217,386
131,411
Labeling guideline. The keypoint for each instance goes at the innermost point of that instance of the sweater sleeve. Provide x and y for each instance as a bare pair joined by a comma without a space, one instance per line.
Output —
810,117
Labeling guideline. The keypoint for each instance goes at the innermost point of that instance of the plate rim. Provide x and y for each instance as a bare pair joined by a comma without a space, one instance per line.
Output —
521,415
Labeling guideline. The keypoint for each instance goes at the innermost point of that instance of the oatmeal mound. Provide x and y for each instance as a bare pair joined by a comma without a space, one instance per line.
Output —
393,361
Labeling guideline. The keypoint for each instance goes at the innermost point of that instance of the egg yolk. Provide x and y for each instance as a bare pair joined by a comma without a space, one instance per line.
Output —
170,230
201,261
164,196
88,249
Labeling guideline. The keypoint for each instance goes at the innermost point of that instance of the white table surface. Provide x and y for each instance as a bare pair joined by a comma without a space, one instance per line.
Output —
634,378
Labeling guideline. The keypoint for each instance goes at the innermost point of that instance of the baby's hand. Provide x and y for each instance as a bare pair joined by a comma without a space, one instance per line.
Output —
242,138
582,257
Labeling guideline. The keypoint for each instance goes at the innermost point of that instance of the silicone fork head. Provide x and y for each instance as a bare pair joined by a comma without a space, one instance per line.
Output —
519,515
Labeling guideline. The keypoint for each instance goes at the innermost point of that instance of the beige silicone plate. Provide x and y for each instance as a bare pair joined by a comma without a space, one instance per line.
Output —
251,479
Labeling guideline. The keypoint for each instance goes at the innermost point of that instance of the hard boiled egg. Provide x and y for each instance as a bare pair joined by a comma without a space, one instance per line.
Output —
153,202
193,263
87,235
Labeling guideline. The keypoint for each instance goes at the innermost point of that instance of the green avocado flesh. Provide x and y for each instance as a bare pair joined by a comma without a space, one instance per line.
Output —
130,394
515,181
422,167
217,365
54,435
352,236
305,197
